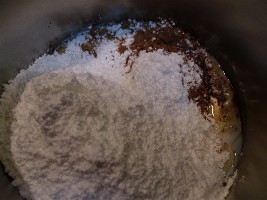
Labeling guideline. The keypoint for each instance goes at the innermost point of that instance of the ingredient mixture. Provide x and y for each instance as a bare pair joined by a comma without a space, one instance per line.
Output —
134,110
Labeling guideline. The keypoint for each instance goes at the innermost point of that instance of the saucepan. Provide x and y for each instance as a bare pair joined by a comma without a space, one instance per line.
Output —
235,32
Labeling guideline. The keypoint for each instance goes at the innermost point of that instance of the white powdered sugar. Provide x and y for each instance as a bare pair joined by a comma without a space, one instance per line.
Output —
82,127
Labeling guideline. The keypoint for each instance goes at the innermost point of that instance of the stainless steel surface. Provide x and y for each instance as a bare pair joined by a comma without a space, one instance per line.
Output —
234,31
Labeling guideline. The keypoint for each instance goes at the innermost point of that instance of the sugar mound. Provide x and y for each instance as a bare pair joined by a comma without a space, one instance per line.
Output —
82,127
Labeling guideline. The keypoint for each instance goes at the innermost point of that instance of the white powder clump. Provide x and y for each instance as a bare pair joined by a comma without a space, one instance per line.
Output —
82,128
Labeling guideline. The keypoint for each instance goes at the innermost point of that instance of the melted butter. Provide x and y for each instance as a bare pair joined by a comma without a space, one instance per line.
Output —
227,119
